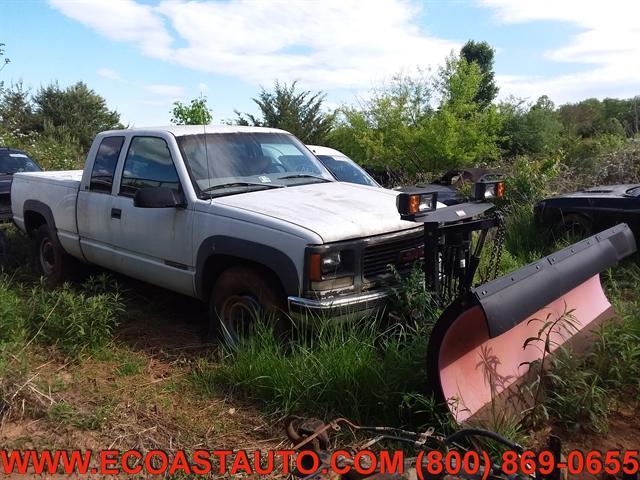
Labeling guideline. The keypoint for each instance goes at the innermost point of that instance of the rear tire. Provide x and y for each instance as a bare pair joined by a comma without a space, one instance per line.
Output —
241,296
55,265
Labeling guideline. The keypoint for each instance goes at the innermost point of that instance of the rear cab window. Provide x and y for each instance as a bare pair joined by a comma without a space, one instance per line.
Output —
105,163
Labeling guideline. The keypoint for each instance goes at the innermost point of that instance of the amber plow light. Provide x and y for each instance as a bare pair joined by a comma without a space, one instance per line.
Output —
411,204
483,344
487,190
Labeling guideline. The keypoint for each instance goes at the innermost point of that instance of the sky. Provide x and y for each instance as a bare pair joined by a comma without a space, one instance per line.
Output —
143,55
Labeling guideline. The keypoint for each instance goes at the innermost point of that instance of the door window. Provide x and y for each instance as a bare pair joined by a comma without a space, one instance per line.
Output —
105,163
148,164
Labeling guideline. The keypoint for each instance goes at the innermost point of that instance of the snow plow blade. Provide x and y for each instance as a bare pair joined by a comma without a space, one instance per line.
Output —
482,346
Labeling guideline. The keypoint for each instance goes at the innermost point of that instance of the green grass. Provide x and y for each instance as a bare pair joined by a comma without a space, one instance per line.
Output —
63,413
348,369
130,366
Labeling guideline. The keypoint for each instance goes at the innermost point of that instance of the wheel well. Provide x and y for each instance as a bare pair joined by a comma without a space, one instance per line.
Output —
33,221
216,264
572,213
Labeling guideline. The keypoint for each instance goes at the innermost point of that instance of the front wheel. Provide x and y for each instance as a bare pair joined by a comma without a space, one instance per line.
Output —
241,297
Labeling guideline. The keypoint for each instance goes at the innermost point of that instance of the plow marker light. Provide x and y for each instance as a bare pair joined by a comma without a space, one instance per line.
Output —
482,346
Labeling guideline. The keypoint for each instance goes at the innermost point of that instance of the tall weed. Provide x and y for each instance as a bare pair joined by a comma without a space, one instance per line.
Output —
76,321
348,369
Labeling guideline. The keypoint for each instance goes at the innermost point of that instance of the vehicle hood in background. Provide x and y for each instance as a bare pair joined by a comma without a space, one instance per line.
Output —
334,211
601,191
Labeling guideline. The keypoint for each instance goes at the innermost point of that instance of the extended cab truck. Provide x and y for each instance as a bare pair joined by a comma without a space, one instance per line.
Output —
244,218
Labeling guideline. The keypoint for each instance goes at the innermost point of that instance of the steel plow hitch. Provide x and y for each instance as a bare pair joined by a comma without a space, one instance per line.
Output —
482,346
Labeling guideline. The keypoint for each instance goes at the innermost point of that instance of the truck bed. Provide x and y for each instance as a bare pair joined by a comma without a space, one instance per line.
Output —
53,191
63,178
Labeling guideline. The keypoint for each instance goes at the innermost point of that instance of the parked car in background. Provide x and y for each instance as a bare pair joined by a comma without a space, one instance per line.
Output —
12,161
591,210
342,167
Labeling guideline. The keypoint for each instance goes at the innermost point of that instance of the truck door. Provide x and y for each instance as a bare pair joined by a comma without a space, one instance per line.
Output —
94,202
152,244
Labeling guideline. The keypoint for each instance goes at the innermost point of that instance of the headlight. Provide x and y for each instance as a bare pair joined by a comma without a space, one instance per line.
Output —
330,262
328,270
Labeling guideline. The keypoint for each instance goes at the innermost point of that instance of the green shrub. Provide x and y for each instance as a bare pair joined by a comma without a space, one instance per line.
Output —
51,151
528,179
410,301
75,321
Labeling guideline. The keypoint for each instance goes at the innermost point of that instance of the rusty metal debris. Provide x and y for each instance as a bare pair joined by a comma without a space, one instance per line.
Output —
313,435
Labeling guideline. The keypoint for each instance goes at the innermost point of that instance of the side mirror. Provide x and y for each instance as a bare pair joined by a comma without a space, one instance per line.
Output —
158,197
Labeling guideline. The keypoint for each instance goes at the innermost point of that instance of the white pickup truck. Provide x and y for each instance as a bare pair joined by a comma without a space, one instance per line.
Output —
246,219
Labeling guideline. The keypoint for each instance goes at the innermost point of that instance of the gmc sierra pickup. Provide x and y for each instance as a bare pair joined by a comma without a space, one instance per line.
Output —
246,219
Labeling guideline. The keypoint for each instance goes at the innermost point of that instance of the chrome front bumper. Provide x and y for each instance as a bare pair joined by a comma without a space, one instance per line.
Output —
353,306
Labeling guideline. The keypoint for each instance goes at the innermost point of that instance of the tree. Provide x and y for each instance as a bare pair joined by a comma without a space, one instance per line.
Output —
16,109
3,61
535,129
300,113
398,127
482,53
194,113
384,130
462,131
76,111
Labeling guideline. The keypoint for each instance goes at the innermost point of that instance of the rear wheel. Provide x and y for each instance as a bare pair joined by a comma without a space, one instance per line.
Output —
53,262
575,225
241,297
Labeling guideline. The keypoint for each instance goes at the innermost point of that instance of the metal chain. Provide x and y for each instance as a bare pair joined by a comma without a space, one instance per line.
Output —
498,246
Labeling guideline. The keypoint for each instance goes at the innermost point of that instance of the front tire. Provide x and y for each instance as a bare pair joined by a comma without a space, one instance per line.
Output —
241,297
55,265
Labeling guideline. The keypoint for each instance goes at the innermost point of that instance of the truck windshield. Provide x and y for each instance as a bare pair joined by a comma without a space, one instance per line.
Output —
237,162
11,163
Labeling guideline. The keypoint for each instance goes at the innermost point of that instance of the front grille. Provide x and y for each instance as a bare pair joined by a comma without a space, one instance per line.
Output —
402,253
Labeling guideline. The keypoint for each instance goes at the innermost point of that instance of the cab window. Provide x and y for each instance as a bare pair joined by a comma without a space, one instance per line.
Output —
148,164
105,163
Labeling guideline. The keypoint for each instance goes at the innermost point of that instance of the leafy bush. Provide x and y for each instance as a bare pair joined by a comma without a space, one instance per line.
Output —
410,301
528,179
50,152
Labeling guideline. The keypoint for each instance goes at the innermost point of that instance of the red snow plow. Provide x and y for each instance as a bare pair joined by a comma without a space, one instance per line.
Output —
482,346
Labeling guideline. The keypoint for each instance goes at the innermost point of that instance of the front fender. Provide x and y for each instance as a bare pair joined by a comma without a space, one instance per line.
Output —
272,258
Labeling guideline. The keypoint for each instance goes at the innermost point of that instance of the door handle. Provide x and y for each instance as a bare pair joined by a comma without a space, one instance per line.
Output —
116,213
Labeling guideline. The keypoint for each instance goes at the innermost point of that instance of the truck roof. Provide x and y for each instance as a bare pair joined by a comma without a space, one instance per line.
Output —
320,150
181,130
